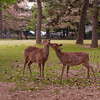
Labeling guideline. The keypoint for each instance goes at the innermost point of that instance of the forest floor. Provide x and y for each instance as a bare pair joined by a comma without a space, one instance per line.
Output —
51,92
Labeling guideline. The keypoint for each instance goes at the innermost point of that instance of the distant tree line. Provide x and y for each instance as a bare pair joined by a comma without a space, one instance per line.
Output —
59,14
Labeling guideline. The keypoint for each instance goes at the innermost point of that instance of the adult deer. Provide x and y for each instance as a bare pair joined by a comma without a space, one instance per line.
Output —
37,55
72,59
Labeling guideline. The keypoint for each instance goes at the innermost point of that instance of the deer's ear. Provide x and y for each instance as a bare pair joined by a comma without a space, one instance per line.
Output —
60,45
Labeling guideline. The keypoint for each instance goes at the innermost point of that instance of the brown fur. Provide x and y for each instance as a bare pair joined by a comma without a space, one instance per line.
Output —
72,59
38,55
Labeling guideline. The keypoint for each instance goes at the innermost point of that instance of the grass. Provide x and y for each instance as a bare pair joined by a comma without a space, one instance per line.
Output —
56,91
12,59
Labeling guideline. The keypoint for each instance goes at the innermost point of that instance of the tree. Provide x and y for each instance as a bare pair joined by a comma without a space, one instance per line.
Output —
33,20
63,14
15,18
0,24
3,5
39,20
94,43
56,14
81,31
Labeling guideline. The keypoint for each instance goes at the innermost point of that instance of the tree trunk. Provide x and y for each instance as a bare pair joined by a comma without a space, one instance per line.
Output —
39,20
0,24
75,36
20,35
80,35
94,43
7,33
63,33
67,33
47,33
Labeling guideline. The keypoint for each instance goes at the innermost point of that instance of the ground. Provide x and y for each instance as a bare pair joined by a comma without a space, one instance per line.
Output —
50,93
53,92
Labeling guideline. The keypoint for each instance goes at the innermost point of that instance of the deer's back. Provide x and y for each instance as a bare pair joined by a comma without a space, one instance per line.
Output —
29,50
75,58
38,56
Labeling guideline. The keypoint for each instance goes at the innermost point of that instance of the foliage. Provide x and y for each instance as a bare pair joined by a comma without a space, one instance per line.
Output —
15,18
62,12
59,14
33,20
5,3
91,10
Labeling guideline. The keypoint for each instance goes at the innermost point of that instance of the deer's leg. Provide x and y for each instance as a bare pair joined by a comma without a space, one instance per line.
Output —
43,70
88,72
63,68
87,65
67,70
92,71
29,65
26,61
39,65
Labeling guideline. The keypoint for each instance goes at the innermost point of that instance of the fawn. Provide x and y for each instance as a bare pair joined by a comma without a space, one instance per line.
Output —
72,59
38,55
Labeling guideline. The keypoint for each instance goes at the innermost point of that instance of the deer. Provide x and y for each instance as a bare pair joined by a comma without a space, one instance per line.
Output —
72,59
37,55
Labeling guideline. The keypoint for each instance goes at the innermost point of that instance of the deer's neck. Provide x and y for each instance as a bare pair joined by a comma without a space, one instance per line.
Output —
59,53
46,49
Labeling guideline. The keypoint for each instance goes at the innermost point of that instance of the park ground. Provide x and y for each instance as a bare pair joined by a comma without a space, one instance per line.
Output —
15,87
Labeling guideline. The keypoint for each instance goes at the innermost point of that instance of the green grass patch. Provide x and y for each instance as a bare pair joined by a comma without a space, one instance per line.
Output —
56,91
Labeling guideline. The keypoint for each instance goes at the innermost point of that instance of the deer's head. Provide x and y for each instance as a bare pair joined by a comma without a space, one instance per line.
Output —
56,46
45,42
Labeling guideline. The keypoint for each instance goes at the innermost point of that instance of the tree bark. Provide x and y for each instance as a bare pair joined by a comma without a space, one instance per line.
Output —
80,35
7,33
39,20
47,33
0,24
94,43
21,35
63,33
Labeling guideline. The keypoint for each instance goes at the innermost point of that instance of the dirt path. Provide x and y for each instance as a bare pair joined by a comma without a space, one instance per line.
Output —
50,93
